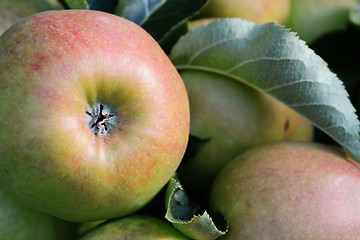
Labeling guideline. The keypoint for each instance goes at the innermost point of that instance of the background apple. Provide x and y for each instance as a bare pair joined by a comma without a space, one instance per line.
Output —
314,18
134,227
95,118
20,222
231,117
259,11
12,11
290,190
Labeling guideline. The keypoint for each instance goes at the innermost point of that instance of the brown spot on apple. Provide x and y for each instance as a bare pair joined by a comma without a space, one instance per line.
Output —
286,126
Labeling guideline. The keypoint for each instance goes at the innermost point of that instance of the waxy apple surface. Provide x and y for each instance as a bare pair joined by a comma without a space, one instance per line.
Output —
95,118
290,190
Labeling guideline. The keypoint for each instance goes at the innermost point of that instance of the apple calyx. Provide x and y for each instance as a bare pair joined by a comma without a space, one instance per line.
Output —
100,119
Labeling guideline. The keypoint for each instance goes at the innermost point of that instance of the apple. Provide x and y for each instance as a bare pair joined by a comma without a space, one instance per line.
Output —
231,117
18,221
290,190
95,117
260,11
12,11
134,227
314,18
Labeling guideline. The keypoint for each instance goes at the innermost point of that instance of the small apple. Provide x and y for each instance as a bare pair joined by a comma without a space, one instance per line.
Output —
95,117
12,11
290,190
231,117
314,18
135,227
260,11
20,222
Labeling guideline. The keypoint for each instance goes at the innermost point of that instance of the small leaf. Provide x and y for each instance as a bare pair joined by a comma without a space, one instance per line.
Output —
137,11
182,213
275,61
77,4
159,17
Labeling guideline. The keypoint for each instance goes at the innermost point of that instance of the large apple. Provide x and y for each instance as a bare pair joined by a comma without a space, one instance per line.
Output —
290,190
135,227
231,117
20,222
12,11
259,11
94,116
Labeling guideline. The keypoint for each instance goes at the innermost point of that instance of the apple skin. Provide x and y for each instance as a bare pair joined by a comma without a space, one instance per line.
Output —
329,15
12,11
289,190
18,221
260,11
233,117
58,68
134,227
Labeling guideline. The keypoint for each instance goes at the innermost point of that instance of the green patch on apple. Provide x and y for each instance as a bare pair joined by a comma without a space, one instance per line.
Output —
135,227
259,11
312,19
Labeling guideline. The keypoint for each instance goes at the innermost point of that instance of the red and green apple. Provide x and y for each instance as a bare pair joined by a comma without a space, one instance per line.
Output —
290,190
95,117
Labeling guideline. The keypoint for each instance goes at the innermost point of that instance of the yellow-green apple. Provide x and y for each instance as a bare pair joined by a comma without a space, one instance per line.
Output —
260,11
20,222
313,18
95,118
231,117
12,11
134,227
290,190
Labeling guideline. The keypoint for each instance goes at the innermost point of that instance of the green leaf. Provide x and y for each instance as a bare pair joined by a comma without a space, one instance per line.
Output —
170,15
182,213
159,17
137,11
77,4
274,60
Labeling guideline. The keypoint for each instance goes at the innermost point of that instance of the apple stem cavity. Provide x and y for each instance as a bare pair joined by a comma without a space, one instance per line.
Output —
100,119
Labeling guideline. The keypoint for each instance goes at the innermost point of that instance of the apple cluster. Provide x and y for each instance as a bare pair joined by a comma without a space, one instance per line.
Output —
96,119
